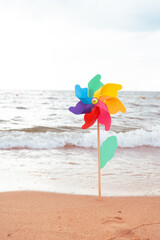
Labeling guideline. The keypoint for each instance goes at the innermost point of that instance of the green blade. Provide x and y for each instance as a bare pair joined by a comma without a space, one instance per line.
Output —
94,84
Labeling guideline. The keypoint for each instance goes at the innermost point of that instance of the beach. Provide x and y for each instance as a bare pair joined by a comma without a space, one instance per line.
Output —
40,215
48,170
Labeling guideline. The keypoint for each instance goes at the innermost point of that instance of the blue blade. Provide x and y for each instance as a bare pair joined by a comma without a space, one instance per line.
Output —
82,94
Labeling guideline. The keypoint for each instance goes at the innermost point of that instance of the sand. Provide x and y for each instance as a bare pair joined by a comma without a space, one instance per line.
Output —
49,216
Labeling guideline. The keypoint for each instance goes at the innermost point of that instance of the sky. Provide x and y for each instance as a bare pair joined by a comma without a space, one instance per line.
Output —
56,44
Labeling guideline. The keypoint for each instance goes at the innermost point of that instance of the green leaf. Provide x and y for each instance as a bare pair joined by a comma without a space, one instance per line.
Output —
107,150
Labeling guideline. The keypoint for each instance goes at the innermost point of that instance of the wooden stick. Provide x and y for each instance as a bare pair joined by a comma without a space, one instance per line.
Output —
99,169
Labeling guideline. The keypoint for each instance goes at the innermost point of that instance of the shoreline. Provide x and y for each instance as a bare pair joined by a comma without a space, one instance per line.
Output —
46,215
78,194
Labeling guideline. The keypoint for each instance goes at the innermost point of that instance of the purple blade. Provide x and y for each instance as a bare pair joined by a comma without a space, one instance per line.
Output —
81,108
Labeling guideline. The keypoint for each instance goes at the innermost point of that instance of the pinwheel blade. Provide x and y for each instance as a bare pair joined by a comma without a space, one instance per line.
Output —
104,116
82,94
90,118
81,108
94,84
102,105
110,89
114,105
107,150
97,93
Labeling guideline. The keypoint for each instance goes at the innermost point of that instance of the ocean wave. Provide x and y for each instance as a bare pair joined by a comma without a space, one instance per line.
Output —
51,140
44,129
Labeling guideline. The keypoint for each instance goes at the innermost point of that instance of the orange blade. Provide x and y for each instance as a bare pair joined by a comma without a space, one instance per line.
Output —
114,105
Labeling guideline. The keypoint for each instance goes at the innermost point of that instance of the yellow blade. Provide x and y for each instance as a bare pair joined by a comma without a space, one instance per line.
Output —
97,93
114,105
110,89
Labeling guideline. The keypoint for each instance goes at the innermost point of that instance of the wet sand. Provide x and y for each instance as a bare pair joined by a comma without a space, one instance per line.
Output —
50,216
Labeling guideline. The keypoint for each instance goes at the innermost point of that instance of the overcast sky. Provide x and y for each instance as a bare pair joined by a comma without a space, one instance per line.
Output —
55,44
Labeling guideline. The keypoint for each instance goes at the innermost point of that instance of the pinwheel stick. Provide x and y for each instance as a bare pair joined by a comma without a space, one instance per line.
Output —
99,170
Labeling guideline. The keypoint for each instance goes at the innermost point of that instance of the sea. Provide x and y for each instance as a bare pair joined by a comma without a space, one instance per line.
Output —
44,148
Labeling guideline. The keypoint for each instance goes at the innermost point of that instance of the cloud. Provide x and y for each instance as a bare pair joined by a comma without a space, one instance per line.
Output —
132,15
43,46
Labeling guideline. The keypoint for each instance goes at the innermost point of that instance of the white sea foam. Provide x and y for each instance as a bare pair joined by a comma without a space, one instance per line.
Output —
49,140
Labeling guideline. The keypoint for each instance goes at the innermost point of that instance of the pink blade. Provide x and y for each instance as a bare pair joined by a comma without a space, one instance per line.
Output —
105,119
102,105
104,116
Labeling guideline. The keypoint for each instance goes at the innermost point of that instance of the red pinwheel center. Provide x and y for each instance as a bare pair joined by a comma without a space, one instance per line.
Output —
94,100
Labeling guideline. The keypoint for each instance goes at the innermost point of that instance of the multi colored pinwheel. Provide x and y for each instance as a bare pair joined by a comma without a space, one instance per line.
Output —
97,102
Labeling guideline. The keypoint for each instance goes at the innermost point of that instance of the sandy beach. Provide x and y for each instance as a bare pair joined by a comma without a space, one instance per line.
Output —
40,215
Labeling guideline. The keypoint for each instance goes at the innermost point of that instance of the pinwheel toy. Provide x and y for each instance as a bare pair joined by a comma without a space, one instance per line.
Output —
97,102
